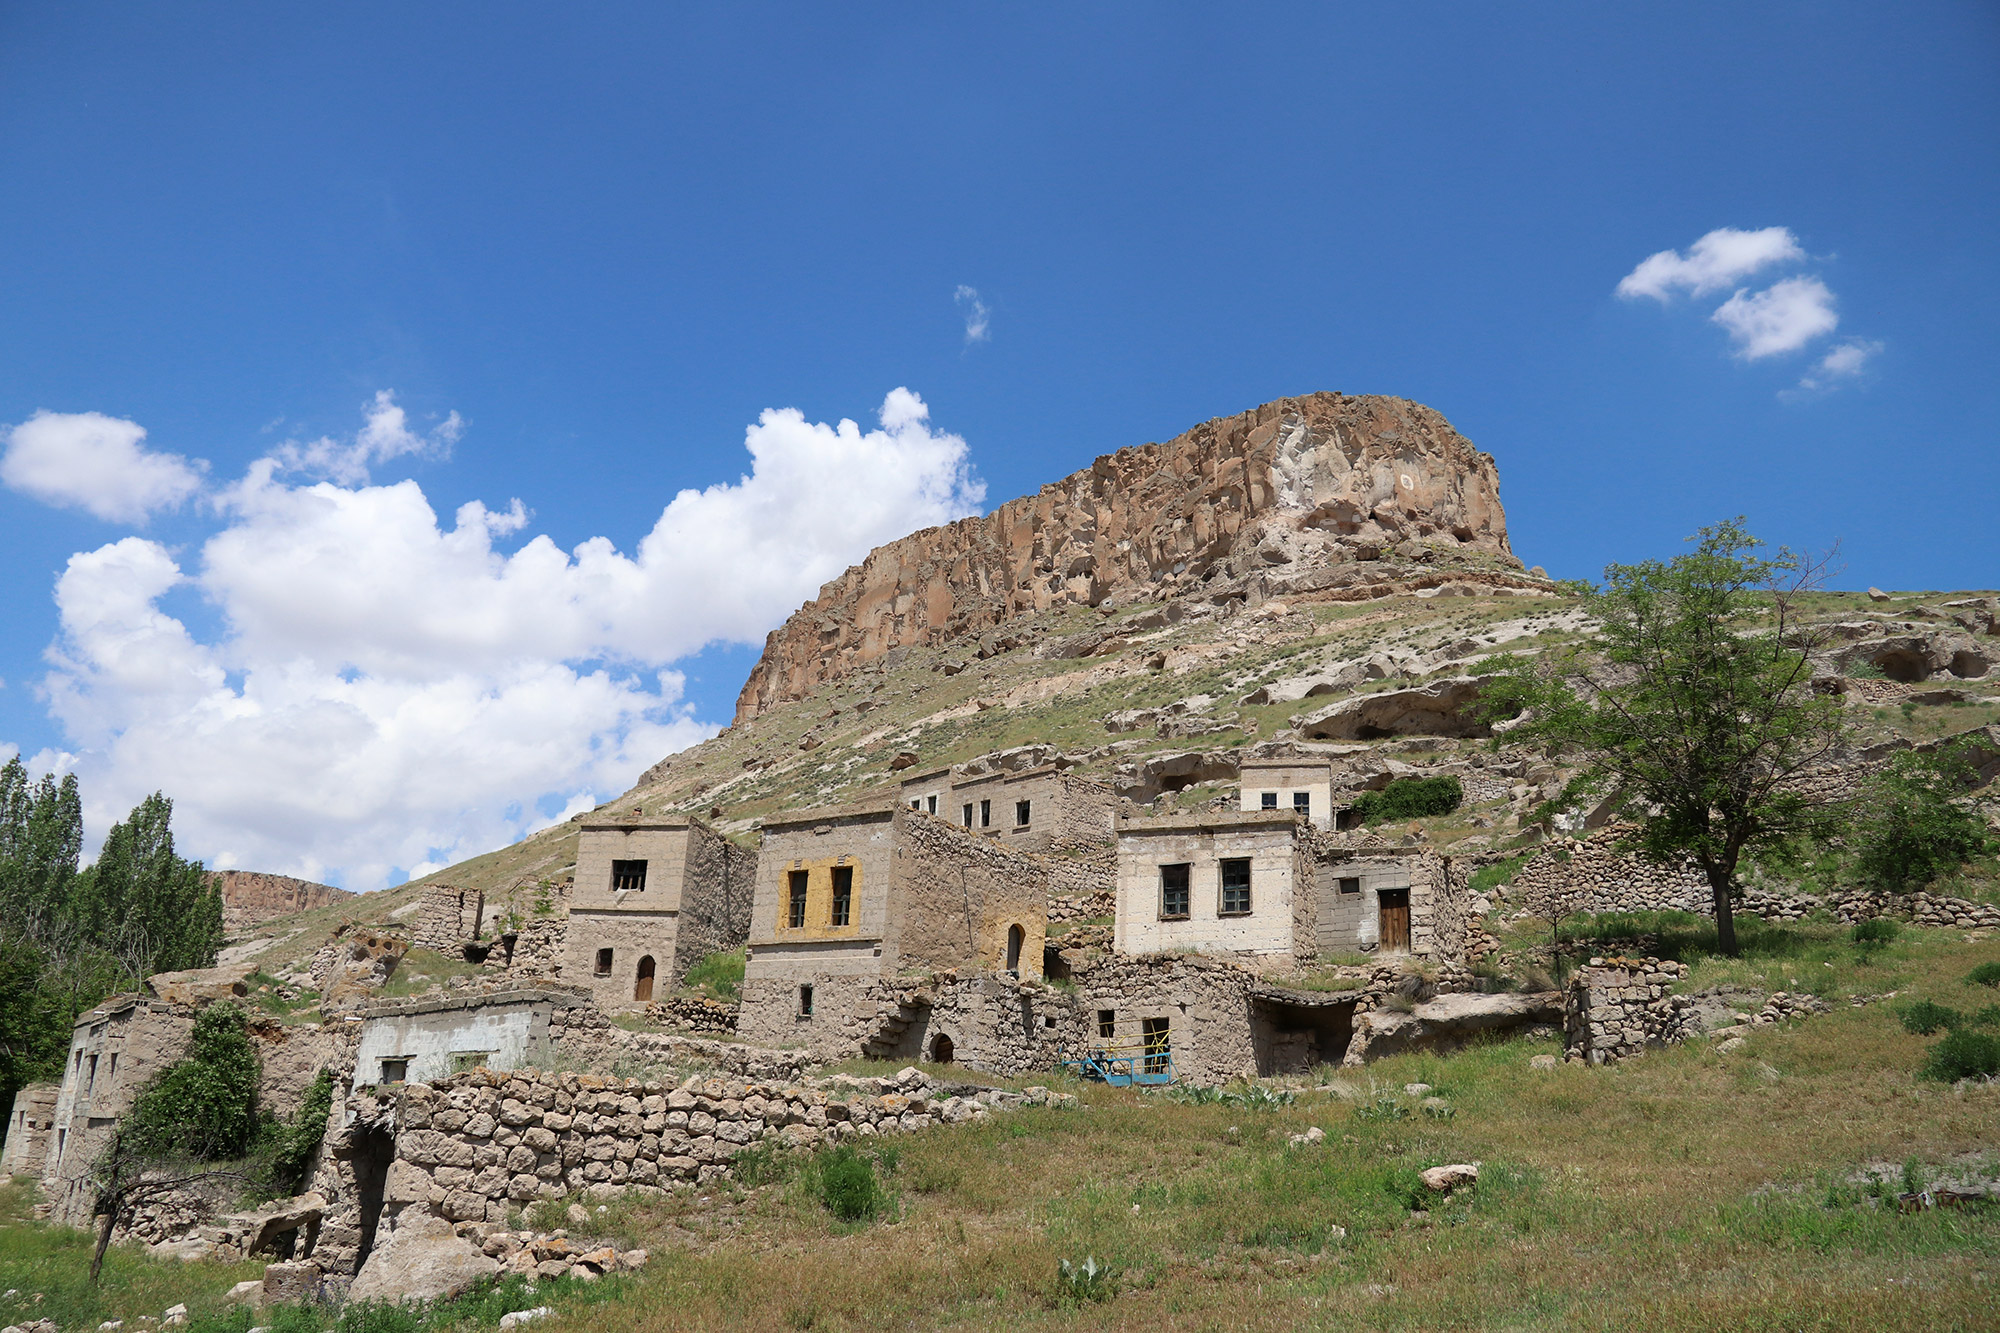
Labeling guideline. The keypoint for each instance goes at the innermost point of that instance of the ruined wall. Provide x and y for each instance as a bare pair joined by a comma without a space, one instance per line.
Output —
447,917
356,960
721,885
956,896
1335,477
30,1130
1619,1007
1589,874
1442,922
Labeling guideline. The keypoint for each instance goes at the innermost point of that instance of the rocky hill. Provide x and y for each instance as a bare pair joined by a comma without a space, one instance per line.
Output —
250,898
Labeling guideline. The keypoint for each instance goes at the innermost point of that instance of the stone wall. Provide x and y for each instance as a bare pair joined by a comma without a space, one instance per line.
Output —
30,1130
692,1011
1618,1007
716,898
956,896
475,1146
447,917
1066,906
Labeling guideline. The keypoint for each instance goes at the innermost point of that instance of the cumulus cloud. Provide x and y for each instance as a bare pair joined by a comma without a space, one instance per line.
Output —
977,316
1714,263
1844,362
89,461
388,694
385,434
1782,318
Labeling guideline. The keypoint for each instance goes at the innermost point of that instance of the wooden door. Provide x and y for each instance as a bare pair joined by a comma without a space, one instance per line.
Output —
1395,905
643,988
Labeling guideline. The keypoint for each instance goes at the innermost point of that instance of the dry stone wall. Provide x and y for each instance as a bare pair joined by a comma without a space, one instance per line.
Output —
448,916
717,891
1619,1007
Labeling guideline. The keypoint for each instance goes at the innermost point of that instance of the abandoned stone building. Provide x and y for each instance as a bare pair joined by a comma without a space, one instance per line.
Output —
852,899
1032,810
1269,887
424,1040
447,916
30,1129
653,896
1302,785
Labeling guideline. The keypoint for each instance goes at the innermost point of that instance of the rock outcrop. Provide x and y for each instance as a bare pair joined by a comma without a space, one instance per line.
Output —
250,898
1449,1022
1297,484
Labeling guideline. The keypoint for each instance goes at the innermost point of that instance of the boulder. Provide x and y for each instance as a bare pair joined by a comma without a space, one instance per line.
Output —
191,1250
250,1292
1444,1179
263,1227
288,1284
202,984
515,1318
1437,708
1448,1022
423,1259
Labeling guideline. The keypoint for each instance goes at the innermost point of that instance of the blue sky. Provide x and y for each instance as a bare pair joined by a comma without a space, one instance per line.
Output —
610,239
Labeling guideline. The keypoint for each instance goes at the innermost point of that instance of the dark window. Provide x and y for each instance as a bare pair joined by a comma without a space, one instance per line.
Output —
628,876
968,815
1235,888
1020,814
805,1002
394,1071
930,804
91,1081
1302,801
1174,892
797,916
1159,1044
1352,885
1269,800
1107,1024
986,814
843,896
604,962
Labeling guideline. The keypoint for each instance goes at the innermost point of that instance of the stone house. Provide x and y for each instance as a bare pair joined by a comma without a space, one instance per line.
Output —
424,1040
653,895
853,900
1034,810
115,1051
1301,785
30,1129
1268,887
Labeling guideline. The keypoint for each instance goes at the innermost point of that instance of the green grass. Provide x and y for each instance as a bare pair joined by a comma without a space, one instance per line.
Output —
717,977
423,969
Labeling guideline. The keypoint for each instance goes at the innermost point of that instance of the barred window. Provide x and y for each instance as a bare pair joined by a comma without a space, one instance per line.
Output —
843,896
797,916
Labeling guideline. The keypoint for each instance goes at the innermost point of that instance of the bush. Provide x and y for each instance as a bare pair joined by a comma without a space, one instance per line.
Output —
1986,974
1880,930
1924,1018
845,1184
1410,798
1087,1281
293,1146
1915,820
203,1106
1963,1054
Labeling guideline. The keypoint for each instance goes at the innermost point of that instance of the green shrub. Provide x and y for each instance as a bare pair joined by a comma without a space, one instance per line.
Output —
1489,877
204,1105
1986,974
844,1181
1963,1054
1916,821
293,1146
1410,798
1880,930
1087,1281
1924,1018
379,1317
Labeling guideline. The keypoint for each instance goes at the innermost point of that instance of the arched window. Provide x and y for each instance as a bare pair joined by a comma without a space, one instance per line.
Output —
941,1049
643,989
1016,938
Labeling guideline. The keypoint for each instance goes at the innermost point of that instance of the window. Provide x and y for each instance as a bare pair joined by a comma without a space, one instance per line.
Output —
1017,939
628,876
1174,892
796,917
1302,802
1350,885
62,1137
1235,888
1107,1024
843,897
90,1079
986,814
1159,1044
111,1070
1269,801
805,1002
1020,814
968,814
603,962
464,1060
395,1071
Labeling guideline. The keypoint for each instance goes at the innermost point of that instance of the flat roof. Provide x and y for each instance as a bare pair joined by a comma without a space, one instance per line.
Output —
884,805
609,819
1204,819
1302,761
566,996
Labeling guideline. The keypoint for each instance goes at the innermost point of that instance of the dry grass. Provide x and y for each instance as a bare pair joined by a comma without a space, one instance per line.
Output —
1682,1191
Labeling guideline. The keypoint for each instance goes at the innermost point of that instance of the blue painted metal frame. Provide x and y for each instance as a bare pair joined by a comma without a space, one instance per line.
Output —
1108,1065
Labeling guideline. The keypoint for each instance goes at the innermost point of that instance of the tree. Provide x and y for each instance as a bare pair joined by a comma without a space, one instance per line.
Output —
1694,697
154,910
1915,819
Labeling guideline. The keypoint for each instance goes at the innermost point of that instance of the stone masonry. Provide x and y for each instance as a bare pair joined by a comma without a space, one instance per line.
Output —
1619,1007
447,917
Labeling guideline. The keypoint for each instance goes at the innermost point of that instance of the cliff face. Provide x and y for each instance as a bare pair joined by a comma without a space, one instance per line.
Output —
1298,482
249,898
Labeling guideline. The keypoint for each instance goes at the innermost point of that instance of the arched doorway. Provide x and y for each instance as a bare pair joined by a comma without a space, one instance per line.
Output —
941,1049
643,989
1016,938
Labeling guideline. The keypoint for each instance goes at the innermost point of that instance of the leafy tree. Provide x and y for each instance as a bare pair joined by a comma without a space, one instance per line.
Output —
154,910
1915,819
1695,698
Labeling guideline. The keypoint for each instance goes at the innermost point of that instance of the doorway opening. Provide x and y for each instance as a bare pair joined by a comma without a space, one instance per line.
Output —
374,1150
642,988
941,1049
1016,938
1395,906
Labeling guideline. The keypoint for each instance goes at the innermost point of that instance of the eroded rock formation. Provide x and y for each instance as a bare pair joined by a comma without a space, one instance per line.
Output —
249,898
1296,483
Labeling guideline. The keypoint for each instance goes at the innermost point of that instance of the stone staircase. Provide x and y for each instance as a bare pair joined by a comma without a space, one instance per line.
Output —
912,1007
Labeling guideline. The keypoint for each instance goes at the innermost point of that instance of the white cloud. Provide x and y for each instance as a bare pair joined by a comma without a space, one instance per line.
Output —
977,317
1714,263
1782,318
388,693
1843,362
385,434
89,461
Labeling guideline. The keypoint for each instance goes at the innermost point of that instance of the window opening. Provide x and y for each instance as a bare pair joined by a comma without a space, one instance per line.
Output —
628,876
1159,1045
805,1002
968,814
604,962
986,814
1352,884
941,1049
1302,802
1269,801
395,1071
1021,814
1107,1024
797,916
1016,937
1235,888
111,1070
90,1080
1174,892
930,805
843,896
464,1060
642,982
